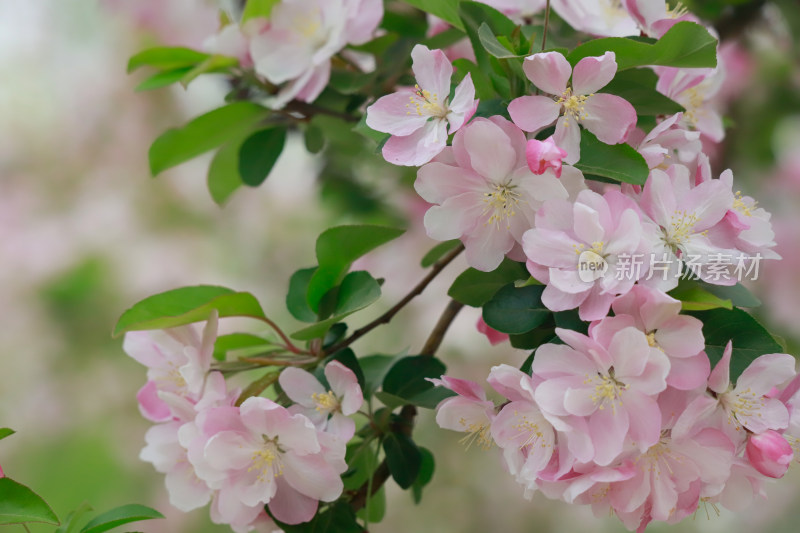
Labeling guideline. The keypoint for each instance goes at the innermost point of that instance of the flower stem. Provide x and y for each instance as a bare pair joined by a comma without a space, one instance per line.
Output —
546,24
287,343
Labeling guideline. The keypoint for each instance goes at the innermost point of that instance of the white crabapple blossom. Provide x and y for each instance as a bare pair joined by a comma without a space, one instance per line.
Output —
327,409
420,119
606,18
608,116
696,90
655,17
484,192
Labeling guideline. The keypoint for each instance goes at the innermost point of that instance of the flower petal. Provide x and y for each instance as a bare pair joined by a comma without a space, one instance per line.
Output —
532,113
609,117
549,71
593,73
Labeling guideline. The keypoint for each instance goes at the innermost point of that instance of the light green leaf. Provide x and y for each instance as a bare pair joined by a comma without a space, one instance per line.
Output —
186,305
74,519
166,58
436,253
202,134
258,8
6,432
223,173
19,504
492,45
212,65
120,516
236,341
619,162
447,10
162,79
337,248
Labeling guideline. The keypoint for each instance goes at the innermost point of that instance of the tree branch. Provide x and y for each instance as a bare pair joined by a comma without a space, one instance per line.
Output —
388,315
437,335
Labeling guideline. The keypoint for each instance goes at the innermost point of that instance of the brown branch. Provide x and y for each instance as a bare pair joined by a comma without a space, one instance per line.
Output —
288,343
309,110
437,335
546,24
388,315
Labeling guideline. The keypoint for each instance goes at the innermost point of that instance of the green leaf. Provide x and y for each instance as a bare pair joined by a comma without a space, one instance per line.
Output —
296,300
390,400
516,310
474,15
362,459
492,45
6,432
19,504
695,298
436,253
685,45
166,58
365,131
483,87
236,341
162,79
475,287
74,519
348,358
534,338
619,162
358,290
186,305
259,153
202,134
750,339
214,64
338,518
447,10
120,516
403,458
426,468
375,508
223,172
638,86
258,8
314,139
337,248
738,294
375,368
406,378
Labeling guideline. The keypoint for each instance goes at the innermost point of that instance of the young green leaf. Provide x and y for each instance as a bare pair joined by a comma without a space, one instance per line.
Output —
337,248
223,172
516,310
619,162
447,10
492,45
6,432
163,79
19,504
202,134
436,253
120,516
74,519
186,305
475,287
258,8
259,153
166,58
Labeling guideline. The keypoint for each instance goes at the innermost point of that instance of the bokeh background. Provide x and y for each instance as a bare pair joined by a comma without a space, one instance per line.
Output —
85,232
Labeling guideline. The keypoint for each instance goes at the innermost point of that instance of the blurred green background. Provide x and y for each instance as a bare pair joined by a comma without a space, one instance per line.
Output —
85,232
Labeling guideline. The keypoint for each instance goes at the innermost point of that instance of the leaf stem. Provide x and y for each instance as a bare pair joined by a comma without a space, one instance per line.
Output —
388,315
287,343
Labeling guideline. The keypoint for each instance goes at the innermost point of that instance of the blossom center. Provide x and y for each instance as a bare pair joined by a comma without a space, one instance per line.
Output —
574,105
266,462
427,104
607,390
741,406
501,203
597,248
680,228
743,208
480,433
530,429
678,11
651,339
325,401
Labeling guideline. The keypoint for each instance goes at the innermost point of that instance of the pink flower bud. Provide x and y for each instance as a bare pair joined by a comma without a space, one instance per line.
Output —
1,472
544,154
769,453
495,337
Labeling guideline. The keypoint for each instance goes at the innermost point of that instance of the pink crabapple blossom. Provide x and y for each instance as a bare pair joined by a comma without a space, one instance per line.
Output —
485,193
695,89
492,335
609,117
769,453
327,409
605,18
654,17
667,143
418,119
544,154
468,411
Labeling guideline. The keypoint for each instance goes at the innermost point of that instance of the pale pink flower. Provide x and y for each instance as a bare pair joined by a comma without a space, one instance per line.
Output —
606,18
418,118
601,230
178,360
468,412
680,337
495,337
262,454
769,453
519,11
668,144
613,385
328,410
654,16
295,50
241,518
696,90
486,194
234,40
544,154
608,116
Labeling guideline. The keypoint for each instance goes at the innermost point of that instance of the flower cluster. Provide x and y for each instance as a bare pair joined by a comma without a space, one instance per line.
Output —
631,418
241,457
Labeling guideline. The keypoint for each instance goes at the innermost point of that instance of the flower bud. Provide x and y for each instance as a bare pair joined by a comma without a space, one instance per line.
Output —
542,155
769,453
495,337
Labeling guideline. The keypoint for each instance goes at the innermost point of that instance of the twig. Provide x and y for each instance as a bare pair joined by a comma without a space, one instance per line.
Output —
310,110
388,315
288,344
546,23
437,335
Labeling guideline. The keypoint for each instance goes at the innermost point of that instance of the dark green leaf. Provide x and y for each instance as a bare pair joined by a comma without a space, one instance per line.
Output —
638,86
750,339
406,379
516,310
314,139
685,45
202,134
19,504
620,162
338,518
259,153
166,58
474,287
738,294
186,305
236,341
357,291
296,300
403,458
390,400
426,469
362,459
375,368
436,253
163,79
119,516
337,248
571,320
223,172
6,432
534,338
447,10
